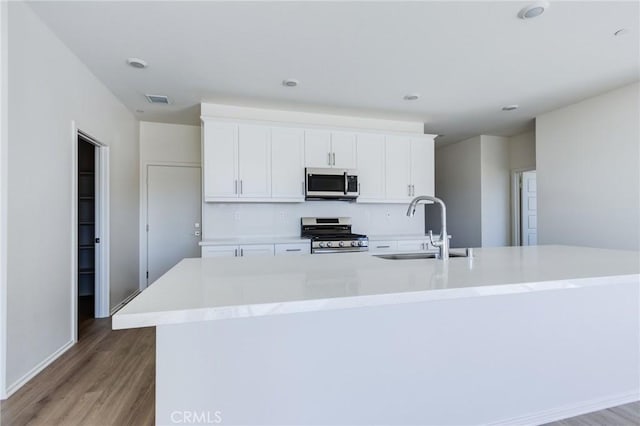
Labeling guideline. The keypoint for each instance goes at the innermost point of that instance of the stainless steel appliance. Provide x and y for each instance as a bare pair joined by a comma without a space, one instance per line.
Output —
332,235
334,184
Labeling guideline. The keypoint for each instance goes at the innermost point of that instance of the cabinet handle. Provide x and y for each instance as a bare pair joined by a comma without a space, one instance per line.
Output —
241,186
358,188
409,190
235,253
334,158
235,186
302,188
413,190
294,249
383,246
329,158
241,252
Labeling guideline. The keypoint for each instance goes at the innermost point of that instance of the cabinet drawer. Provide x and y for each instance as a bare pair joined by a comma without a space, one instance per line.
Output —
382,246
219,251
413,245
293,249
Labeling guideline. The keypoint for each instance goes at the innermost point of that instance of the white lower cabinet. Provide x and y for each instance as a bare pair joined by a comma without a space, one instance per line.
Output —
382,246
292,249
244,250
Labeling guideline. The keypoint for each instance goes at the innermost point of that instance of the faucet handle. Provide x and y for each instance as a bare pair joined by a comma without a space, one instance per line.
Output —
433,243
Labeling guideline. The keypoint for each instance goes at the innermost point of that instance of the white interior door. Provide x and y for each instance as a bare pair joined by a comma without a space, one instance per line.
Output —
173,217
529,214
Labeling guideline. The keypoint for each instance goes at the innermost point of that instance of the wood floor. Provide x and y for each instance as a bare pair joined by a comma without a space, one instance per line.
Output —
108,378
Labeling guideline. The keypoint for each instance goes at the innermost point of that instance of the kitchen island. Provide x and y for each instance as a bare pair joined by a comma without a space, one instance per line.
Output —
513,335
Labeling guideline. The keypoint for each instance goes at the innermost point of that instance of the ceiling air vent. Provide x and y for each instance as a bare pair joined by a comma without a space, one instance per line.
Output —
157,99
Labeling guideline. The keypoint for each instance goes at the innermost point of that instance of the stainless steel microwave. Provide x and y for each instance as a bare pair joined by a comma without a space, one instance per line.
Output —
332,184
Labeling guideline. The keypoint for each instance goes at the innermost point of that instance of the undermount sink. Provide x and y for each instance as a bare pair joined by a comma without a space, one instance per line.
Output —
424,255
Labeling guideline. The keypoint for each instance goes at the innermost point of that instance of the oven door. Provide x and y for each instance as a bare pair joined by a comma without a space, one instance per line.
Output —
331,184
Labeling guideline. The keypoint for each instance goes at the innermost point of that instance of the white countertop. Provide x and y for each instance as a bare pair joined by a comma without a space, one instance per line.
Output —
253,240
221,288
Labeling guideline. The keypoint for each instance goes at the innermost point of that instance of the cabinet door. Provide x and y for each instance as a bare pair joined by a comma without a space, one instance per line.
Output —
287,164
412,245
370,165
397,165
292,249
317,147
343,150
219,251
220,158
256,250
254,161
422,166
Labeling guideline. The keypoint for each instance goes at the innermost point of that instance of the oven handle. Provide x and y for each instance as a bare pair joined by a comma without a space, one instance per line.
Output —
354,250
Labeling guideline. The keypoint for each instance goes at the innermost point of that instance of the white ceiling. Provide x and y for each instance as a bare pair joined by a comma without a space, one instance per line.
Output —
466,59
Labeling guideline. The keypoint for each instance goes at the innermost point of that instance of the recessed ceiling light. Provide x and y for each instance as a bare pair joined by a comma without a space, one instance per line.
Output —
533,10
290,82
139,111
137,63
412,97
510,107
621,32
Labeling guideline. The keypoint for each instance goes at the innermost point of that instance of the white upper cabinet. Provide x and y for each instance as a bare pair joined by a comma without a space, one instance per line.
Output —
329,149
343,150
254,161
371,167
246,162
398,168
287,163
317,148
409,167
422,166
220,160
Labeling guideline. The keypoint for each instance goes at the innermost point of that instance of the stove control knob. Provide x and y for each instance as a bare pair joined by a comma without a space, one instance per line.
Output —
322,245
354,243
329,244
360,243
341,243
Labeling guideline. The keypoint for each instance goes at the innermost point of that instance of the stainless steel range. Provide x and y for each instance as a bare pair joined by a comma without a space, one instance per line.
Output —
332,235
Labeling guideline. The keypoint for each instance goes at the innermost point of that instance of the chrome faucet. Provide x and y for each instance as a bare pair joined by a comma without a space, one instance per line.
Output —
443,244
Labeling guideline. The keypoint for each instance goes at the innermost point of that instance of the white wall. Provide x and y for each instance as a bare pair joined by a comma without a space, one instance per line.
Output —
3,194
162,143
458,184
496,222
522,151
588,162
49,88
220,220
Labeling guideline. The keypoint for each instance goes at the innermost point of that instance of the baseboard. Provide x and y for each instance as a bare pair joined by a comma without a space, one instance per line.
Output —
124,302
571,410
37,369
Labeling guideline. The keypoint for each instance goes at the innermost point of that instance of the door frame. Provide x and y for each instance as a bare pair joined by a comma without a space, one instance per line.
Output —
144,204
102,221
516,203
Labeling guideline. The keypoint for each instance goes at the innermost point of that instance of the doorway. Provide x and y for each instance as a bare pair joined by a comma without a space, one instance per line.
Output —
525,208
87,239
174,210
90,223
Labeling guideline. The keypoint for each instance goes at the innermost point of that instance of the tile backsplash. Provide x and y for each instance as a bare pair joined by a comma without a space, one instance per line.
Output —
231,220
